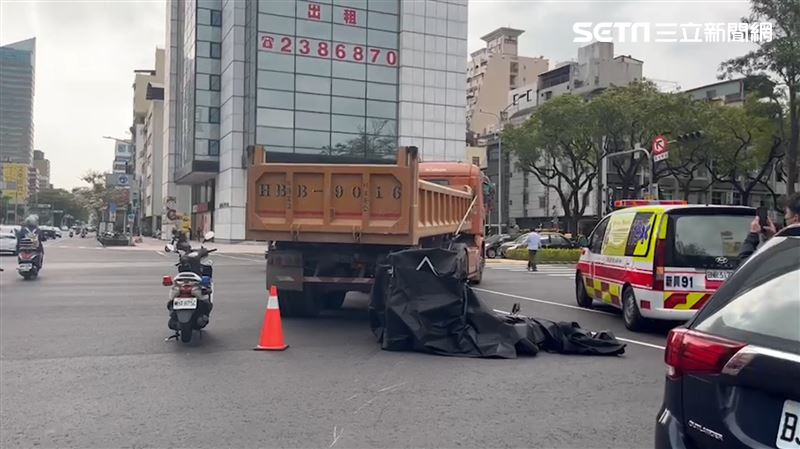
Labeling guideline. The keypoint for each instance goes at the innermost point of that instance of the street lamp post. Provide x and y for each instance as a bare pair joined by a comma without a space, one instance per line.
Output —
500,119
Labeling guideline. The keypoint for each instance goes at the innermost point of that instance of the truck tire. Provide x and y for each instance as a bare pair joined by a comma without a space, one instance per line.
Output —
333,300
298,304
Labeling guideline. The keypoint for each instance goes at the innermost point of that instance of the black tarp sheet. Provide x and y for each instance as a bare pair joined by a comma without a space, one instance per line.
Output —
421,301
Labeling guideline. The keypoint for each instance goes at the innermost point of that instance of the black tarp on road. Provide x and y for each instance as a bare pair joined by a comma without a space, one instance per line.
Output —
421,302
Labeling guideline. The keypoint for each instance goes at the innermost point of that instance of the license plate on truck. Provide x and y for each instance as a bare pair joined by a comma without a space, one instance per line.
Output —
789,426
184,303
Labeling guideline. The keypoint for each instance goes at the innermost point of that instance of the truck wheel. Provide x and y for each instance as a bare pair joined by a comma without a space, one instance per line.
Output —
583,298
630,311
297,304
333,300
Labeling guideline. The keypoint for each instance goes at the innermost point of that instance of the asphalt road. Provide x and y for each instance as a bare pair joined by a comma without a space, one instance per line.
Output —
83,363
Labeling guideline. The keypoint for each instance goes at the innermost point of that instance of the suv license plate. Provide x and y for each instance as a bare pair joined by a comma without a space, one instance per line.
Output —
788,432
718,275
184,303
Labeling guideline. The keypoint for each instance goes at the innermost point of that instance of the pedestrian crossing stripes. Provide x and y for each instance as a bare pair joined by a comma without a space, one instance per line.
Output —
561,271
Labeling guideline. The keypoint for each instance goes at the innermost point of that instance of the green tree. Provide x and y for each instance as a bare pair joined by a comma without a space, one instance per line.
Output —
96,195
780,59
60,199
636,114
744,145
558,146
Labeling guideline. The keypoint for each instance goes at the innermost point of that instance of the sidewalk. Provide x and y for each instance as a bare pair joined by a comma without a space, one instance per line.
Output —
246,247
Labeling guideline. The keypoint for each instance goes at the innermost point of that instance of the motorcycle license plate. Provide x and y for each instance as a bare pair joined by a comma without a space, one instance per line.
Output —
25,266
184,303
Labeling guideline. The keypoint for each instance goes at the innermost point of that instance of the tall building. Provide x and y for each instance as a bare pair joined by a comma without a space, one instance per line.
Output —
33,183
311,81
42,166
148,131
17,68
595,70
492,72
528,203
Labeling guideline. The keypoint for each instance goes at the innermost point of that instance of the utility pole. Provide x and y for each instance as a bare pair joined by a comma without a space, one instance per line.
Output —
503,116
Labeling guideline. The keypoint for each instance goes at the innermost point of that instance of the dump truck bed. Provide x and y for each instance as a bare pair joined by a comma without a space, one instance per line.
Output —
350,203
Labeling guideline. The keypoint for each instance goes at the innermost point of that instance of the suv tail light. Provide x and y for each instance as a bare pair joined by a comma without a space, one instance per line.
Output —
690,352
659,259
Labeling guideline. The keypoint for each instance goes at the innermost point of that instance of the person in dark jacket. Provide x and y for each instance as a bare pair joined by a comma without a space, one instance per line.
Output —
30,231
791,216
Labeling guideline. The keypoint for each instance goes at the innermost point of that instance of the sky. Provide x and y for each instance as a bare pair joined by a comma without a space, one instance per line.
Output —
87,51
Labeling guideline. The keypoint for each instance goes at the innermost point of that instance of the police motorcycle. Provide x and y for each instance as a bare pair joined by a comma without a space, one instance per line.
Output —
191,296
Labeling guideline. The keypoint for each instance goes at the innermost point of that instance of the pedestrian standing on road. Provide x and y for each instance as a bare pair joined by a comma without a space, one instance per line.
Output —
533,245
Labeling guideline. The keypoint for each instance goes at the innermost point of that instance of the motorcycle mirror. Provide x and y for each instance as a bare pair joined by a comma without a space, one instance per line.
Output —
169,248
208,236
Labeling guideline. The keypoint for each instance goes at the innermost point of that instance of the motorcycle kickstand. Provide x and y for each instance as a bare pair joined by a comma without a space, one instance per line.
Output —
175,336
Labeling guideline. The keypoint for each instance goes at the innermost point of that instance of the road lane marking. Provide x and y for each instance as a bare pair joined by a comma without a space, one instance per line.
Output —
159,253
636,342
552,303
627,340
237,258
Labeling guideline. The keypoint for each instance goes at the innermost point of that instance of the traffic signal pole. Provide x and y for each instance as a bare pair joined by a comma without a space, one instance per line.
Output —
638,148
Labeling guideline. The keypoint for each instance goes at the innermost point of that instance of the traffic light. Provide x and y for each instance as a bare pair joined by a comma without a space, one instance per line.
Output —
694,135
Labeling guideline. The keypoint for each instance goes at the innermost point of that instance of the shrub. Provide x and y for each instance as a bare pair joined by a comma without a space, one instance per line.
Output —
548,255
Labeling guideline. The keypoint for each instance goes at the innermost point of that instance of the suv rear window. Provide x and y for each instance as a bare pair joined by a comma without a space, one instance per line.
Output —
760,303
698,240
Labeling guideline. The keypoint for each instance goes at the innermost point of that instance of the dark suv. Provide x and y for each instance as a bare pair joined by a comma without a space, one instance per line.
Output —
733,371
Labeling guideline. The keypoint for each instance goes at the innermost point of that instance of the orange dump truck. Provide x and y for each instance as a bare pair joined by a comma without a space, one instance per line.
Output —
332,224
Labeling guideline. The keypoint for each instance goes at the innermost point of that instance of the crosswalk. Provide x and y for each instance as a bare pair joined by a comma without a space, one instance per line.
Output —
554,270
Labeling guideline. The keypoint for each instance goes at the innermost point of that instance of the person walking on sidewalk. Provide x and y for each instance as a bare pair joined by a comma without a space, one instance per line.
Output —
533,245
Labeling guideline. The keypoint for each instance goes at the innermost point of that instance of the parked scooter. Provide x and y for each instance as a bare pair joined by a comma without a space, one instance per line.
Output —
29,256
191,296
71,234
83,233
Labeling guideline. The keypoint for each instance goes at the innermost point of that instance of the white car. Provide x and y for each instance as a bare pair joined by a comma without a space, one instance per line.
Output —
8,240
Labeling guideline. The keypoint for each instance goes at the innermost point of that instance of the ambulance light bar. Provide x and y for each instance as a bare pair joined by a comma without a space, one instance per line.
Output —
618,204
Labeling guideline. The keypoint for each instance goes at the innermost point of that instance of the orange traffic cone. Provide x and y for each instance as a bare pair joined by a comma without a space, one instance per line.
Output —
272,330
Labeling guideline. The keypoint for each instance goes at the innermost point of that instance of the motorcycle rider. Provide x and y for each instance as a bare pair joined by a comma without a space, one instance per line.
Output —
180,241
31,227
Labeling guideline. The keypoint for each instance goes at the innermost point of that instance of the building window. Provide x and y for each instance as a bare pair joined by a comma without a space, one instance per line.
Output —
548,95
717,197
476,160
214,83
216,18
216,50
542,203
213,147
596,80
711,94
737,199
213,115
